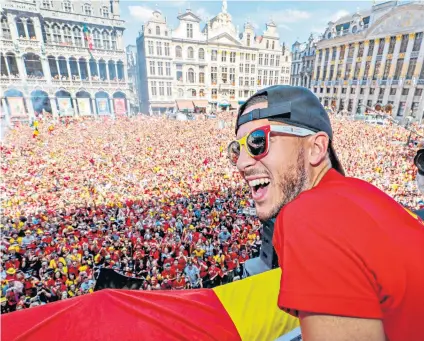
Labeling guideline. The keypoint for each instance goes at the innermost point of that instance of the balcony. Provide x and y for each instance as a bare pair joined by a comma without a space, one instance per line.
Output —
23,42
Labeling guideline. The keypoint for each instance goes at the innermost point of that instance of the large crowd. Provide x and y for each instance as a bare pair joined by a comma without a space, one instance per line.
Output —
152,198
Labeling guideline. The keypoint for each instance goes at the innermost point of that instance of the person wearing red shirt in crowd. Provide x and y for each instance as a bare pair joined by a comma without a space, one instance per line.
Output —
179,282
352,257
168,272
243,257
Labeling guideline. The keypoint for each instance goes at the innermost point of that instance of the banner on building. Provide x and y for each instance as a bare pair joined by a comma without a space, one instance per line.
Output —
65,106
103,106
16,106
84,107
119,104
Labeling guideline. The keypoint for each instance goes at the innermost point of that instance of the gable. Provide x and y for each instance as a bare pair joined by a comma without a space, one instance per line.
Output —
189,17
224,38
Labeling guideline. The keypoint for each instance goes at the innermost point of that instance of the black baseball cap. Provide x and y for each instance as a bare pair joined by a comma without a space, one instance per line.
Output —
293,105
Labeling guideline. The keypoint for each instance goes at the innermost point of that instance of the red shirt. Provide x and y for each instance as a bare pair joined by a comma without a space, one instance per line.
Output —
348,249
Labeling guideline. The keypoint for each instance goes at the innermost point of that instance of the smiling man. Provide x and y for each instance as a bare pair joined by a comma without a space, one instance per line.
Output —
352,258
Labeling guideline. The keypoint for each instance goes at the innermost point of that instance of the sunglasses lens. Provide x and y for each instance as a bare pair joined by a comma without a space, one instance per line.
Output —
256,142
234,152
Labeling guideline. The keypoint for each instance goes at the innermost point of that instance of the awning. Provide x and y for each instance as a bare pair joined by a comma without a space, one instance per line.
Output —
183,104
234,104
200,103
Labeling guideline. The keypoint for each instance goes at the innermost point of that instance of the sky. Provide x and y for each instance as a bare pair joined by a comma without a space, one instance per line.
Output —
296,20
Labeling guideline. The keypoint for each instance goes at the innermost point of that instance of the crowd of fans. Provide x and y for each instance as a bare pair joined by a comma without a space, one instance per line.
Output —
151,198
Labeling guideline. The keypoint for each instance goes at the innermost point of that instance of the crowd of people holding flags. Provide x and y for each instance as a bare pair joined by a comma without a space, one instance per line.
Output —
152,198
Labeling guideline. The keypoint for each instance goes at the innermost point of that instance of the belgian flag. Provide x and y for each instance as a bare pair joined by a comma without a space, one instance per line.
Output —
242,310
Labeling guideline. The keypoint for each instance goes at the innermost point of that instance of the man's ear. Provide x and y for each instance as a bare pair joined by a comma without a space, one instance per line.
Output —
318,148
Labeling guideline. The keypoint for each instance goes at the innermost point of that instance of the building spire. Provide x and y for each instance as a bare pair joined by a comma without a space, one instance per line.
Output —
224,6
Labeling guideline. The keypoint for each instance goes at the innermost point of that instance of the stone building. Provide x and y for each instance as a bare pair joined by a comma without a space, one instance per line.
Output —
212,67
303,58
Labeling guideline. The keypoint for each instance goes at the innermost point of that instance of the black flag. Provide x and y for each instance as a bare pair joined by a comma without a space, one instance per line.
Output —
110,279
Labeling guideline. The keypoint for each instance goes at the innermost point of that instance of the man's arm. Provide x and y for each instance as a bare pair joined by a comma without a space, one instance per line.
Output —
316,327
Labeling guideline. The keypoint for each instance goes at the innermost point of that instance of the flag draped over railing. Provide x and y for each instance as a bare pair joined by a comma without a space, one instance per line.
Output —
87,37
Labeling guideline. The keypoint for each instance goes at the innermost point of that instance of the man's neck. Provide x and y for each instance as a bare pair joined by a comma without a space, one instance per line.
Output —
317,177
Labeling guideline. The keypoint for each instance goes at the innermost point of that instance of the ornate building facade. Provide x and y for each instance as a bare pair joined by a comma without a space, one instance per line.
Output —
211,67
374,59
133,80
48,65
303,59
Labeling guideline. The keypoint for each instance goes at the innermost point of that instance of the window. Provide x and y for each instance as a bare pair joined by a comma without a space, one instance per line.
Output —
167,49
342,52
418,92
376,70
106,40
77,36
168,68
252,69
67,7
367,70
224,56
179,73
399,66
260,61
277,61
362,91
381,47
351,51
157,30
361,49
159,48
214,93
56,34
370,48
352,91
392,45
202,78
247,57
405,92
67,35
372,91
266,60
393,91
189,30
267,44
180,93
224,74
161,88
265,77
214,55
169,89
214,75
259,77
404,43
241,81
190,53
47,4
160,68
414,109
401,109
357,69
152,68
96,39
87,9
246,68
232,57
343,90
241,68
232,75
153,88
113,40
201,54
246,81
331,72
411,68
273,44
104,11
150,44
387,68
248,39
178,52
417,41
190,75
271,62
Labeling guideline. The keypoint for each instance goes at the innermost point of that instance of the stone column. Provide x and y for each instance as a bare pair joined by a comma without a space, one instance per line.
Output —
107,71
126,73
93,104
37,29
116,70
7,65
395,56
21,67
75,104
383,66
112,109
68,67
58,68
79,70
46,68
12,25
6,111
371,71
53,105
98,69
407,56
30,107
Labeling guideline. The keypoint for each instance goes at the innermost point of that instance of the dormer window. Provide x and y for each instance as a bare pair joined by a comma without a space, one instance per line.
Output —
189,30
158,30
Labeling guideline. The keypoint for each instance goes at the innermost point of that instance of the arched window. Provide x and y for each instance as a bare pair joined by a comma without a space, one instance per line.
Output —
102,69
87,9
105,12
83,69
112,70
190,75
5,28
192,92
190,53
93,69
56,34
13,66
67,35
63,69
3,68
120,67
178,52
74,67
47,4
202,93
96,39
106,40
113,39
158,30
77,36
201,54
33,65
180,93
31,29
67,6
20,28
53,67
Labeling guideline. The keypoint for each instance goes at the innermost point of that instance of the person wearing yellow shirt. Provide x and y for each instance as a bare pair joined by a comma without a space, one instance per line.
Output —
199,252
55,260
